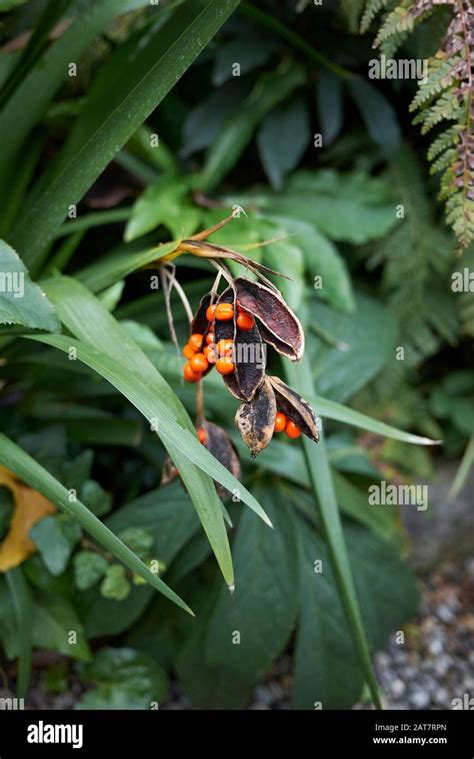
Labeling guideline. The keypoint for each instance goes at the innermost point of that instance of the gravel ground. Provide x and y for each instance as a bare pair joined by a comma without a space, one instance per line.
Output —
432,667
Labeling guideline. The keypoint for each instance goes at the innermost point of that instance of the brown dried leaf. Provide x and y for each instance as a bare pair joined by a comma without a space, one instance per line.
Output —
220,445
282,328
256,420
30,507
295,408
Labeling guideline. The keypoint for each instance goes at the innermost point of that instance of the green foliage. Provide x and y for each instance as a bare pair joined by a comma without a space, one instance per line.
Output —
122,679
22,302
91,415
89,567
444,94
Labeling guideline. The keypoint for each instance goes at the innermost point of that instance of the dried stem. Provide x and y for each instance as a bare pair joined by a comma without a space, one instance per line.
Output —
173,282
166,293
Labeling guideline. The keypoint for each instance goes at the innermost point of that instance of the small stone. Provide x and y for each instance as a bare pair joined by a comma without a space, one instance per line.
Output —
419,699
444,613
435,647
398,688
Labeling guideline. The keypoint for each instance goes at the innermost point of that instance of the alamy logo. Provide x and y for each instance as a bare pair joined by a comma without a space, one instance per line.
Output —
399,495
404,68
12,282
44,733
466,702
12,704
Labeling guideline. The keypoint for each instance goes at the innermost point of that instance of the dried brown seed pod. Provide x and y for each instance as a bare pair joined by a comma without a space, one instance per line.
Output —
220,445
256,420
217,442
225,330
295,408
200,323
248,352
282,328
250,361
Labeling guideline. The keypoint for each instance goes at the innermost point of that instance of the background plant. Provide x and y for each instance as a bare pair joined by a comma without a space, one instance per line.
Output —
89,142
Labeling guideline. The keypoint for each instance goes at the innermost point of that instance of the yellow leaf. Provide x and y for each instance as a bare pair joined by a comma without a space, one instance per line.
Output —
30,507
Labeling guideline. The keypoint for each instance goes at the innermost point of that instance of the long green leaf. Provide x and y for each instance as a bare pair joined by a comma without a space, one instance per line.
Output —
107,348
131,95
341,413
23,606
28,470
120,263
27,104
319,471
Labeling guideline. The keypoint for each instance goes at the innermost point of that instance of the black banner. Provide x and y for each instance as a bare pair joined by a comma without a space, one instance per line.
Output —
391,734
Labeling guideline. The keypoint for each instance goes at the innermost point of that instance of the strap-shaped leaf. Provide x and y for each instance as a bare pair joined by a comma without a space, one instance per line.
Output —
132,92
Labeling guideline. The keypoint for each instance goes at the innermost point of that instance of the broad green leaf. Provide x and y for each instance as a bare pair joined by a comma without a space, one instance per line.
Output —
285,254
330,102
122,679
387,595
351,207
111,116
368,336
247,52
282,139
378,115
22,302
208,116
326,267
317,463
163,202
115,584
288,461
89,568
53,620
235,134
28,470
220,670
54,542
165,513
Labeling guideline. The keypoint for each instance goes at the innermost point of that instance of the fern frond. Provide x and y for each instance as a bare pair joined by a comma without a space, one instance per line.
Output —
352,10
443,141
416,256
372,9
441,74
398,21
446,107
446,95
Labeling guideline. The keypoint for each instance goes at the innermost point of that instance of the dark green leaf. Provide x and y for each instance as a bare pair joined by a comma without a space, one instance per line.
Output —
89,567
22,302
115,584
282,139
123,679
330,102
378,114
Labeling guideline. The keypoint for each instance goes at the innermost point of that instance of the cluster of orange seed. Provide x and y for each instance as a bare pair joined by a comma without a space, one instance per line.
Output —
200,358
